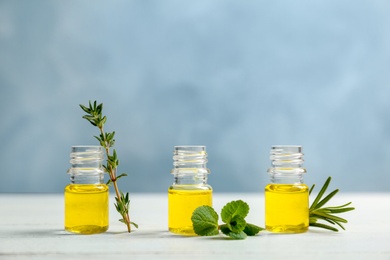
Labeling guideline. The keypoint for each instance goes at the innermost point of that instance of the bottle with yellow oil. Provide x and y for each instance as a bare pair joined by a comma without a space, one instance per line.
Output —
189,190
286,197
86,197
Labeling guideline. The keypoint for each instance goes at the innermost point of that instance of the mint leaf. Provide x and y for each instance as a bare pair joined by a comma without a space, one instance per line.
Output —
252,230
234,208
205,221
240,235
235,235
225,229
237,224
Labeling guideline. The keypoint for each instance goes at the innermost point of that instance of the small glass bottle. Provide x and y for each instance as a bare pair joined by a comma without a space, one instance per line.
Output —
189,190
286,197
86,197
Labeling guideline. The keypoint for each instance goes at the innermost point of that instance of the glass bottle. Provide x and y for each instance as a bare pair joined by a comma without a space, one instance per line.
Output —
189,190
286,197
86,197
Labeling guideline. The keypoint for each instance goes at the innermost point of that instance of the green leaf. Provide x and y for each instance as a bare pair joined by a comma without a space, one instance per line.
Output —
235,235
237,224
104,120
319,225
318,212
333,210
205,221
252,230
340,210
326,199
234,208
118,207
110,139
101,142
134,224
312,188
322,191
225,229
240,235
84,108
121,175
99,108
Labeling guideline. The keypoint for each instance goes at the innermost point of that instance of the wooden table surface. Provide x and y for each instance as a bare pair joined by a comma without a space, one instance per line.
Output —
31,227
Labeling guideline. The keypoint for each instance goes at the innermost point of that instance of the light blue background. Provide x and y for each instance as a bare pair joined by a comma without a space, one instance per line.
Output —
236,76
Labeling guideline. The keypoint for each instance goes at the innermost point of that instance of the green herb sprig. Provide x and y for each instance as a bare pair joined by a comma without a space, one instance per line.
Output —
205,221
317,211
106,139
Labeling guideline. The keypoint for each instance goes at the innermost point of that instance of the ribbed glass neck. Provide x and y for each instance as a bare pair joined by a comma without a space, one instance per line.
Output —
190,179
287,162
190,165
86,165
189,157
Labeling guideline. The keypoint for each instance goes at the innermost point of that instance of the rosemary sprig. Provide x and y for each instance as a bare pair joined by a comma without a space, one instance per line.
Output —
106,139
318,212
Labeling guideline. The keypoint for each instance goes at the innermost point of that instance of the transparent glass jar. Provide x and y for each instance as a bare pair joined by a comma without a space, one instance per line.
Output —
286,197
86,197
189,189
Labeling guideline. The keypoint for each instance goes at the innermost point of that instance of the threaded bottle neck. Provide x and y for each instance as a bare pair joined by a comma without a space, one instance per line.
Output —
190,165
86,165
189,157
287,162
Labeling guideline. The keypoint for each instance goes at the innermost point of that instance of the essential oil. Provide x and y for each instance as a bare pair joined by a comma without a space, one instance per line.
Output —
286,197
287,208
86,197
181,204
189,190
86,208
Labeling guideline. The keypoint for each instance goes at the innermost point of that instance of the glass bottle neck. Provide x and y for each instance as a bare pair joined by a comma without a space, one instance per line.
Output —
90,176
189,157
190,179
190,165
286,178
287,162
86,165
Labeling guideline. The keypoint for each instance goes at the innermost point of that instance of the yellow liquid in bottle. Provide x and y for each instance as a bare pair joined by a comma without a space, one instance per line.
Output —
287,208
86,208
181,204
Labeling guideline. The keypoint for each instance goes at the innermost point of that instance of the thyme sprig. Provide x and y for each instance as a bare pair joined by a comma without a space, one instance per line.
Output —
317,211
106,139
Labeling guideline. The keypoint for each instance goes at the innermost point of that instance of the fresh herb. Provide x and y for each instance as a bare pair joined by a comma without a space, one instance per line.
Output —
106,139
205,221
318,212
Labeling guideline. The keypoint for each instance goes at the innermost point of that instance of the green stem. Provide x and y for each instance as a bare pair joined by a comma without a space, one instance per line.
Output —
112,174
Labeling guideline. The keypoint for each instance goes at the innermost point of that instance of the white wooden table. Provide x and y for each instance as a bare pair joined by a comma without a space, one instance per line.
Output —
31,227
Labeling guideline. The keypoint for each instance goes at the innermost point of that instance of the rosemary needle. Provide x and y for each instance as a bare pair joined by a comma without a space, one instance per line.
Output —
318,211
